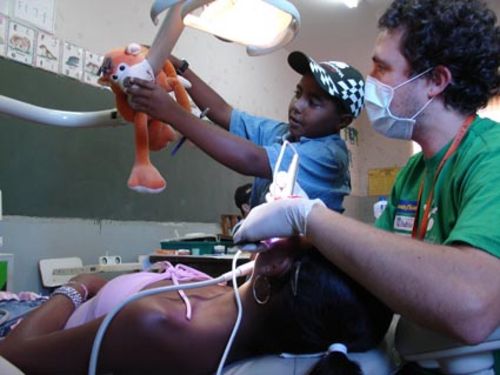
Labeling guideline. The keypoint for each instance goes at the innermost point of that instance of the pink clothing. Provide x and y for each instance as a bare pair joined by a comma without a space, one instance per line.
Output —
123,286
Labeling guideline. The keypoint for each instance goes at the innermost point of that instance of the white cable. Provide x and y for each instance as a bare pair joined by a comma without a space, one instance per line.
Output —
240,271
238,317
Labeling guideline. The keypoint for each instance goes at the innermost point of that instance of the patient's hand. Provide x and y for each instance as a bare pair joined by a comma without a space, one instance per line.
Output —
91,281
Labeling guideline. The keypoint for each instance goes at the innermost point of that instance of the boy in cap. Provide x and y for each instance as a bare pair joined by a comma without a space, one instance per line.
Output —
242,199
327,98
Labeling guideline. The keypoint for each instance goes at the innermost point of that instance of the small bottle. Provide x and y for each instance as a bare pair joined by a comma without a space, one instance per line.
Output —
379,207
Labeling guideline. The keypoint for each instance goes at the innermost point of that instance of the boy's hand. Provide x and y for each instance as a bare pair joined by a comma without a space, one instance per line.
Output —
148,97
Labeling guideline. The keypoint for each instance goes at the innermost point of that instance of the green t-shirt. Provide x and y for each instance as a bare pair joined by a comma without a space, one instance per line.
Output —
466,203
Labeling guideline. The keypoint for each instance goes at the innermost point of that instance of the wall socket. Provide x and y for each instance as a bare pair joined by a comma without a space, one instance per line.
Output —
107,260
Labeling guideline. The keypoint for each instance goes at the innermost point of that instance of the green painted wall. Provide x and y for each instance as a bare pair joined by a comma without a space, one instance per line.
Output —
59,172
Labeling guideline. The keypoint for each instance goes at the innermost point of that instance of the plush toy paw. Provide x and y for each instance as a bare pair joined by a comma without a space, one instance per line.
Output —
146,179
160,135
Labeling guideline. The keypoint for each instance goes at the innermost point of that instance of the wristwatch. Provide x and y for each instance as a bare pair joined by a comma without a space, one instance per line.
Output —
181,69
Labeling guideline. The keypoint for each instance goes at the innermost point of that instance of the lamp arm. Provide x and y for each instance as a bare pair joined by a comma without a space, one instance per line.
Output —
168,34
47,116
159,6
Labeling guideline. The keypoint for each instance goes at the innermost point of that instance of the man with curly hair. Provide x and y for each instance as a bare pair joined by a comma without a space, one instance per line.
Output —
435,64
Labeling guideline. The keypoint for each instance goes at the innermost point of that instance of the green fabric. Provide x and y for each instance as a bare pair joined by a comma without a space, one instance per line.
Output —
466,204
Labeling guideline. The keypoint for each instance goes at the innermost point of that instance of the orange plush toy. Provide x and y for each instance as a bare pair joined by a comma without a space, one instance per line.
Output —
150,134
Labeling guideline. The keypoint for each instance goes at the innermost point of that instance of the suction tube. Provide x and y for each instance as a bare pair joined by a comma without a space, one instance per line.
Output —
47,116
242,270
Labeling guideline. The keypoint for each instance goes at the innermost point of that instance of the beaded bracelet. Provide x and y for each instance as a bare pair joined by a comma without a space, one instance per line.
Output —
71,293
84,287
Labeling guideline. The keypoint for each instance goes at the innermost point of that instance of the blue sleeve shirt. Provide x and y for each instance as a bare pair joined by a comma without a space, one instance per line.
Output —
323,162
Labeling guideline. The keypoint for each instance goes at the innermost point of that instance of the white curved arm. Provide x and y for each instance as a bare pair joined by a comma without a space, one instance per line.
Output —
159,6
47,116
167,35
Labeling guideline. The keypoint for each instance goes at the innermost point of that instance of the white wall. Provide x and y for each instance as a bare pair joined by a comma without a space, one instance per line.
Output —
31,239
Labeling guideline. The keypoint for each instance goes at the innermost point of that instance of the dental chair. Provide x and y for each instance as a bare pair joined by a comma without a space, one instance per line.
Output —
378,361
414,344
434,351
373,362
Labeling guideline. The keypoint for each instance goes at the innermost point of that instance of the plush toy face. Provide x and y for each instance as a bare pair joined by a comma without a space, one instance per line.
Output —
119,63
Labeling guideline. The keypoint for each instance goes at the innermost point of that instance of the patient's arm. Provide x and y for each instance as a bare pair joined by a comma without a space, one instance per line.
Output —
53,314
39,343
147,335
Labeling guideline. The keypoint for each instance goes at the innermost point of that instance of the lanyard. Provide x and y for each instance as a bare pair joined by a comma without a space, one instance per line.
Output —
418,232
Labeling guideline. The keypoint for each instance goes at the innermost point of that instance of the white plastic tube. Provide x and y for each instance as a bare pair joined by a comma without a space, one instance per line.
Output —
54,117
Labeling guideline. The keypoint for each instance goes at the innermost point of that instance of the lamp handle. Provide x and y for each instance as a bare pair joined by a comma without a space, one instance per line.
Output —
168,34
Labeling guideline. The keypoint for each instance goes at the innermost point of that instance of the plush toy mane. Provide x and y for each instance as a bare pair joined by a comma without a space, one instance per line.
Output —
150,134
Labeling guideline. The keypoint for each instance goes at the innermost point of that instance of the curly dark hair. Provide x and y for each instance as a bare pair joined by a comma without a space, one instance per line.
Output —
459,34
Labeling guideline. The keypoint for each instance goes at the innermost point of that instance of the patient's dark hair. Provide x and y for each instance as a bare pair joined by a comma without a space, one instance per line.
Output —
324,306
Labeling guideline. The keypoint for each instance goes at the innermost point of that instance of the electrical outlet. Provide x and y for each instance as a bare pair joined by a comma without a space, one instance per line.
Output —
110,260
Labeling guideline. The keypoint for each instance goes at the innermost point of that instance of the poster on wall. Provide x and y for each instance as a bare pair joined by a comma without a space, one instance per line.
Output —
47,52
20,42
350,135
72,61
39,13
381,180
3,34
91,68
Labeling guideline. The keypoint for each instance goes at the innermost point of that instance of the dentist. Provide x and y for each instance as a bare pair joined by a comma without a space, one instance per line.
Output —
434,254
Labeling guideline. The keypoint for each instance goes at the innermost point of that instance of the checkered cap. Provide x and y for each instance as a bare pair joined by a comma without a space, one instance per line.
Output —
340,80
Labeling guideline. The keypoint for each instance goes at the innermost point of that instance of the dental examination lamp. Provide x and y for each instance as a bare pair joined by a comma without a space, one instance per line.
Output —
262,25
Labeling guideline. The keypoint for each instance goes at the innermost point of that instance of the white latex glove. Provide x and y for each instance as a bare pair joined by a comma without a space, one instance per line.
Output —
279,218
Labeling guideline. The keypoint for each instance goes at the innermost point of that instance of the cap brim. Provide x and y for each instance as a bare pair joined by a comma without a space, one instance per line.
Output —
299,62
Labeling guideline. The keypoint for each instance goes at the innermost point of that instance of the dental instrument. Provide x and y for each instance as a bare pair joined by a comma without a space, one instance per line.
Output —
284,181
243,270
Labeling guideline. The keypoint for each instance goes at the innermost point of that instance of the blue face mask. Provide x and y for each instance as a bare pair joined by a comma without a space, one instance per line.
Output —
378,99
